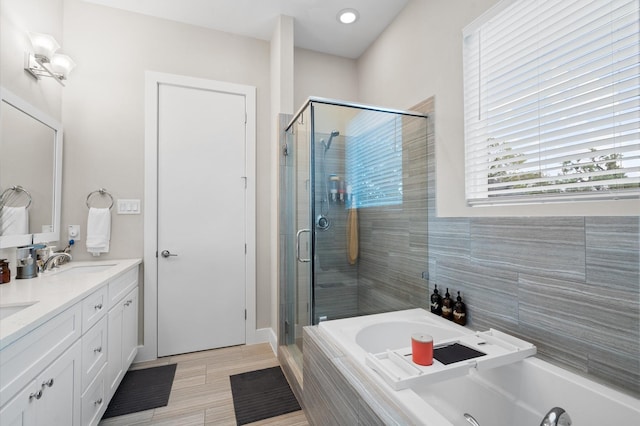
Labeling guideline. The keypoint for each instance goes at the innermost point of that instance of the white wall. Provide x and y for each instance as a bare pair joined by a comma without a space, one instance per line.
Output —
282,42
103,112
17,19
327,76
420,55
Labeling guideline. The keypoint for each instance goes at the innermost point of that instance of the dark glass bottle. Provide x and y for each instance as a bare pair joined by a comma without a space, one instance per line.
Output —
459,311
447,306
5,272
436,301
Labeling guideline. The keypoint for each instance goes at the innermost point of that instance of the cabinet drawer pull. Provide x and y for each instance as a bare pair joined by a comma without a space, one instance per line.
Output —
48,383
98,306
36,395
98,401
98,349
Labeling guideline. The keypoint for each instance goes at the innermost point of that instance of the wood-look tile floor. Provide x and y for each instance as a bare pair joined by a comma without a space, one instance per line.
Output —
201,392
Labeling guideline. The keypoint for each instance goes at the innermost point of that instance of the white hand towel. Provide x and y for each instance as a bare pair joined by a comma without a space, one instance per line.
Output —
14,220
98,231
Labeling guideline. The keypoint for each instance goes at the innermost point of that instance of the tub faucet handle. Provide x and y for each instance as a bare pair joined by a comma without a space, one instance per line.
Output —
471,420
556,417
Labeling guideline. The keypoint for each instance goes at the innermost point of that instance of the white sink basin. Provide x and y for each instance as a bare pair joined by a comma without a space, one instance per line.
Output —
8,310
86,269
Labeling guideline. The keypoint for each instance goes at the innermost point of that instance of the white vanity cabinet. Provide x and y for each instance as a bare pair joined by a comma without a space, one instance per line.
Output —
52,398
94,308
122,328
94,400
94,352
40,380
94,364
130,330
58,371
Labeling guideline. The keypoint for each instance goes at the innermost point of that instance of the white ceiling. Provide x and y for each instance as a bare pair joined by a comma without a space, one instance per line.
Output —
316,26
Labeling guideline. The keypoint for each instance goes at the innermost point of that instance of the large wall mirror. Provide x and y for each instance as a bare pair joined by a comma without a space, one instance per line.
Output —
30,173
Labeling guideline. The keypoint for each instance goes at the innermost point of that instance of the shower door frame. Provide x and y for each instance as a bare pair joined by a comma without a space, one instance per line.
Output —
312,218
310,103
288,323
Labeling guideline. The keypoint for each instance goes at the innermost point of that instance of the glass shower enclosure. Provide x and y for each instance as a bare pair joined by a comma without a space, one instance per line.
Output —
353,215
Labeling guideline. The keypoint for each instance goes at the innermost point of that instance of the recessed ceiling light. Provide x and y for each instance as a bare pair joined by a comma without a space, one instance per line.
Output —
348,16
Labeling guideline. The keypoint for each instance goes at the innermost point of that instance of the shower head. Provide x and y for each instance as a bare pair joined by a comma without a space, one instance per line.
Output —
328,144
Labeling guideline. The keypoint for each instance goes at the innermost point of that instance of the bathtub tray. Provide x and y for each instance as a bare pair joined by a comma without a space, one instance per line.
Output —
455,352
481,350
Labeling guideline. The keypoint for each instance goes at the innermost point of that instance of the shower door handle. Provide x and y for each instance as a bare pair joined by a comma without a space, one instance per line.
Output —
298,245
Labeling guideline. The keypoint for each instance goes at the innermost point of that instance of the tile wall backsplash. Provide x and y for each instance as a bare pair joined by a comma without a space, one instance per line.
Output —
570,285
393,239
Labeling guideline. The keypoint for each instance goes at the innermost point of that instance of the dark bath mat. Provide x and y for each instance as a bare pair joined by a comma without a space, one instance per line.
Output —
142,390
455,353
261,394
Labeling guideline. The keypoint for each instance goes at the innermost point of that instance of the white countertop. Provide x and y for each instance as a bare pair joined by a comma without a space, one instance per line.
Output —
51,293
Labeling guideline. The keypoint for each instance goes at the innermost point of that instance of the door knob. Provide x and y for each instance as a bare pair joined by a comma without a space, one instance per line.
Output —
167,253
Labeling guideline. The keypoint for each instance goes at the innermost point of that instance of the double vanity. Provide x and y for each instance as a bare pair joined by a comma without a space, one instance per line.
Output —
67,338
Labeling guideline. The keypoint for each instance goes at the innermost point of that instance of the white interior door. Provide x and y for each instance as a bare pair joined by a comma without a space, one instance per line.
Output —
201,219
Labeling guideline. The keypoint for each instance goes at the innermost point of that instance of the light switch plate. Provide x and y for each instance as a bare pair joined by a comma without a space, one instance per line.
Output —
128,206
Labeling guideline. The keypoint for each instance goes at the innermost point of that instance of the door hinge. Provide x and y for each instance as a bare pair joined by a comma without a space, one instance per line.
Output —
245,117
245,181
245,314
245,248
286,327
156,253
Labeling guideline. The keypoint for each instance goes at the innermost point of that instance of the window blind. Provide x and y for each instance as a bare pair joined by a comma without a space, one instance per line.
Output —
552,101
374,159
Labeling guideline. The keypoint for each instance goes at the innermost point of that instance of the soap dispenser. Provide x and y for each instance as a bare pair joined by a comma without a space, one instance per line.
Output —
459,311
447,306
436,301
26,263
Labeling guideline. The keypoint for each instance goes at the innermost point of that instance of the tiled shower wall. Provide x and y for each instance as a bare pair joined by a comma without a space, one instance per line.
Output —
336,282
393,239
570,285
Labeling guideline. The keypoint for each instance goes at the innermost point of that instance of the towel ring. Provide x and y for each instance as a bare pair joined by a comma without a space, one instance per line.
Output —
100,191
16,188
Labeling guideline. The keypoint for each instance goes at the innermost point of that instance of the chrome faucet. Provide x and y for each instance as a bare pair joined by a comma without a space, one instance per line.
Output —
556,417
55,259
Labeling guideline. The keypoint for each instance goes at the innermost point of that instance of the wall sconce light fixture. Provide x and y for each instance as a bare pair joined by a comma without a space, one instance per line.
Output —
44,62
